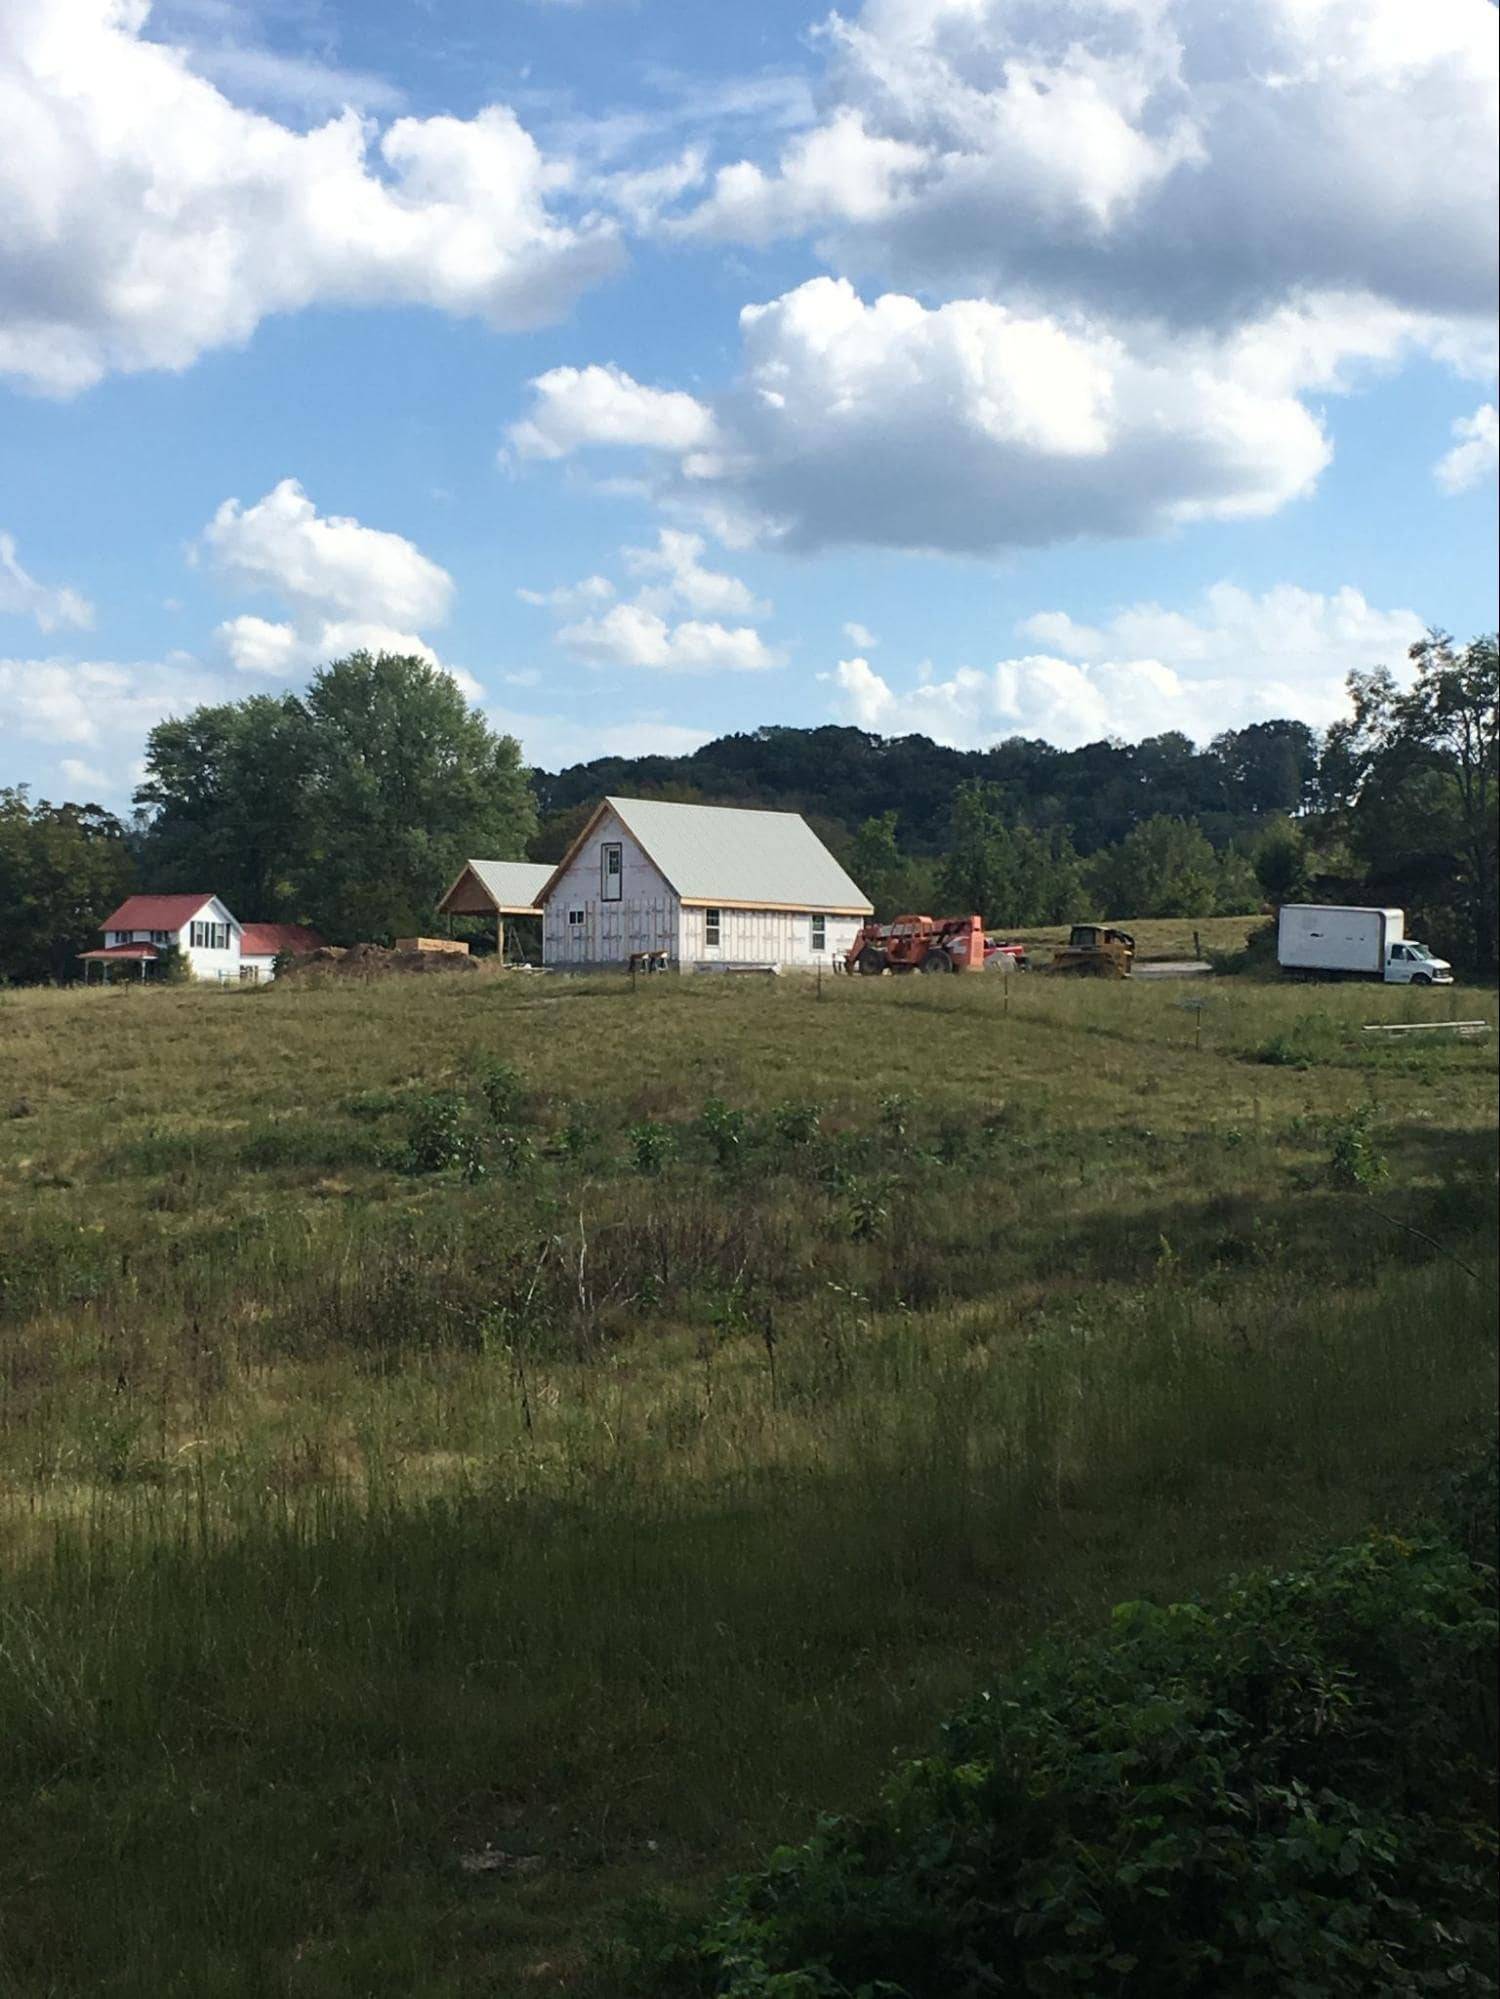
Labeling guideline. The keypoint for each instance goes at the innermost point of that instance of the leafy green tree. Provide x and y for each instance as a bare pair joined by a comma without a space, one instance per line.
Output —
877,865
228,790
351,806
1451,714
1418,787
1267,767
1238,892
1281,863
63,868
406,782
1164,867
1012,876
977,873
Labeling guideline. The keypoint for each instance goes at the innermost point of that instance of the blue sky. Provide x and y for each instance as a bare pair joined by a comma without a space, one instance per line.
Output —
975,366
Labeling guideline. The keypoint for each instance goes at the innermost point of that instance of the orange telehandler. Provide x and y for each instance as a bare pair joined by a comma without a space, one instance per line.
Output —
922,944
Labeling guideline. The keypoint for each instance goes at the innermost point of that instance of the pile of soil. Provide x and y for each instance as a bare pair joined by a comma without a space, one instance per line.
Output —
371,961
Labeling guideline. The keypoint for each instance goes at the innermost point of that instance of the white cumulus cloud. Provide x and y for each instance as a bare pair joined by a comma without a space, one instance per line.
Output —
974,427
593,590
100,705
346,587
649,629
1239,658
1476,455
326,564
633,635
971,427
575,407
149,218
1171,157
49,605
677,560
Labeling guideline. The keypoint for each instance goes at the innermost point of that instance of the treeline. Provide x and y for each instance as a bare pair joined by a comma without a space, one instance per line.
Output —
352,805
842,777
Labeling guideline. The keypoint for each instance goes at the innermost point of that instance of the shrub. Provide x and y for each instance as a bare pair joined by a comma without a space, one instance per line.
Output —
797,1123
503,1091
173,967
1356,1161
1289,1791
725,1130
440,1137
580,1134
651,1145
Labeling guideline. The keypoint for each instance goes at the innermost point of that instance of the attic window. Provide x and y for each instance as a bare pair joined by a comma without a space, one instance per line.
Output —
611,871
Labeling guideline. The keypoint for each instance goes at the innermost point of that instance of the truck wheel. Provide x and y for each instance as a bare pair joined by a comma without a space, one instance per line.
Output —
871,962
1421,978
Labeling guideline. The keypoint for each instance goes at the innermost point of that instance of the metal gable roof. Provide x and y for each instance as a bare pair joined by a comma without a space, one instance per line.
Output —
515,887
726,854
265,940
155,912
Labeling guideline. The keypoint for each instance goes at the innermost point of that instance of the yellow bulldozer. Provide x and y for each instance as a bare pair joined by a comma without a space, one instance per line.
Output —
1094,952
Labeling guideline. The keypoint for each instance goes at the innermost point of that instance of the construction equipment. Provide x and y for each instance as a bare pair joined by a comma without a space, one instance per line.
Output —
1094,952
919,944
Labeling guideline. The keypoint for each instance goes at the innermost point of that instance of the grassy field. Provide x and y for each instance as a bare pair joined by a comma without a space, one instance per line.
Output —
476,1451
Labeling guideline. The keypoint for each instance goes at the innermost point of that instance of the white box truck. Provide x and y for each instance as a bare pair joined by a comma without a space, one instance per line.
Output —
1339,941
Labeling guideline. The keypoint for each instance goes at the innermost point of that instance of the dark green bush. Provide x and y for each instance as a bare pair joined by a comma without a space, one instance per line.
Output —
503,1090
1289,1791
441,1136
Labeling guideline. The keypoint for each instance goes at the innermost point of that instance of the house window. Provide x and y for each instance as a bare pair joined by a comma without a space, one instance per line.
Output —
210,936
711,929
161,937
612,872
575,916
820,933
197,934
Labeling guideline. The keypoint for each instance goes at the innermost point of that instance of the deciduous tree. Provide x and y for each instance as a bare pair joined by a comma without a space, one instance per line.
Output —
63,868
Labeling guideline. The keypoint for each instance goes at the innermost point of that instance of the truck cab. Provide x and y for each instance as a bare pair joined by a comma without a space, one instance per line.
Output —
1409,964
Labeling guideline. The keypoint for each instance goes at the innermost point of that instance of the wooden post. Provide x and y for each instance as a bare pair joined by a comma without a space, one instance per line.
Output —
500,936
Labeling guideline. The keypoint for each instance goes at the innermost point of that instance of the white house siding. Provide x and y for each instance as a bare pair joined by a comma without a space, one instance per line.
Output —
215,966
764,937
644,918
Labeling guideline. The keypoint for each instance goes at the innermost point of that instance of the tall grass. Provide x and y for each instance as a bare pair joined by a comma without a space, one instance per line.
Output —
595,1519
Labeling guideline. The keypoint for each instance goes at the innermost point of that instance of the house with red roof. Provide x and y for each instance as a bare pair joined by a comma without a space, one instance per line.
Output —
213,942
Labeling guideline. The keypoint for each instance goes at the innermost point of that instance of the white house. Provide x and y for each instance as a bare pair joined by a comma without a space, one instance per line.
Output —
215,945
705,885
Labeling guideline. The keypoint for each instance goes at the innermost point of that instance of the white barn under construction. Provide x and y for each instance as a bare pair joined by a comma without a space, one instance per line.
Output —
699,886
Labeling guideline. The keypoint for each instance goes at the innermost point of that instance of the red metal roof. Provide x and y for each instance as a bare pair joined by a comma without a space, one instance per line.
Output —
155,912
264,940
122,951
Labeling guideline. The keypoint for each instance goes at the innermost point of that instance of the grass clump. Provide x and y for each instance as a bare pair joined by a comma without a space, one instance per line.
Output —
1288,1790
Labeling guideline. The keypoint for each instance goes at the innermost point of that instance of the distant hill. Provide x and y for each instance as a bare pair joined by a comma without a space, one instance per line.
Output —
840,777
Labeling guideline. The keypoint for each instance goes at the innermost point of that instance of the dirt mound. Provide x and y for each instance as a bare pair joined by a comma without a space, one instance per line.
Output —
370,961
